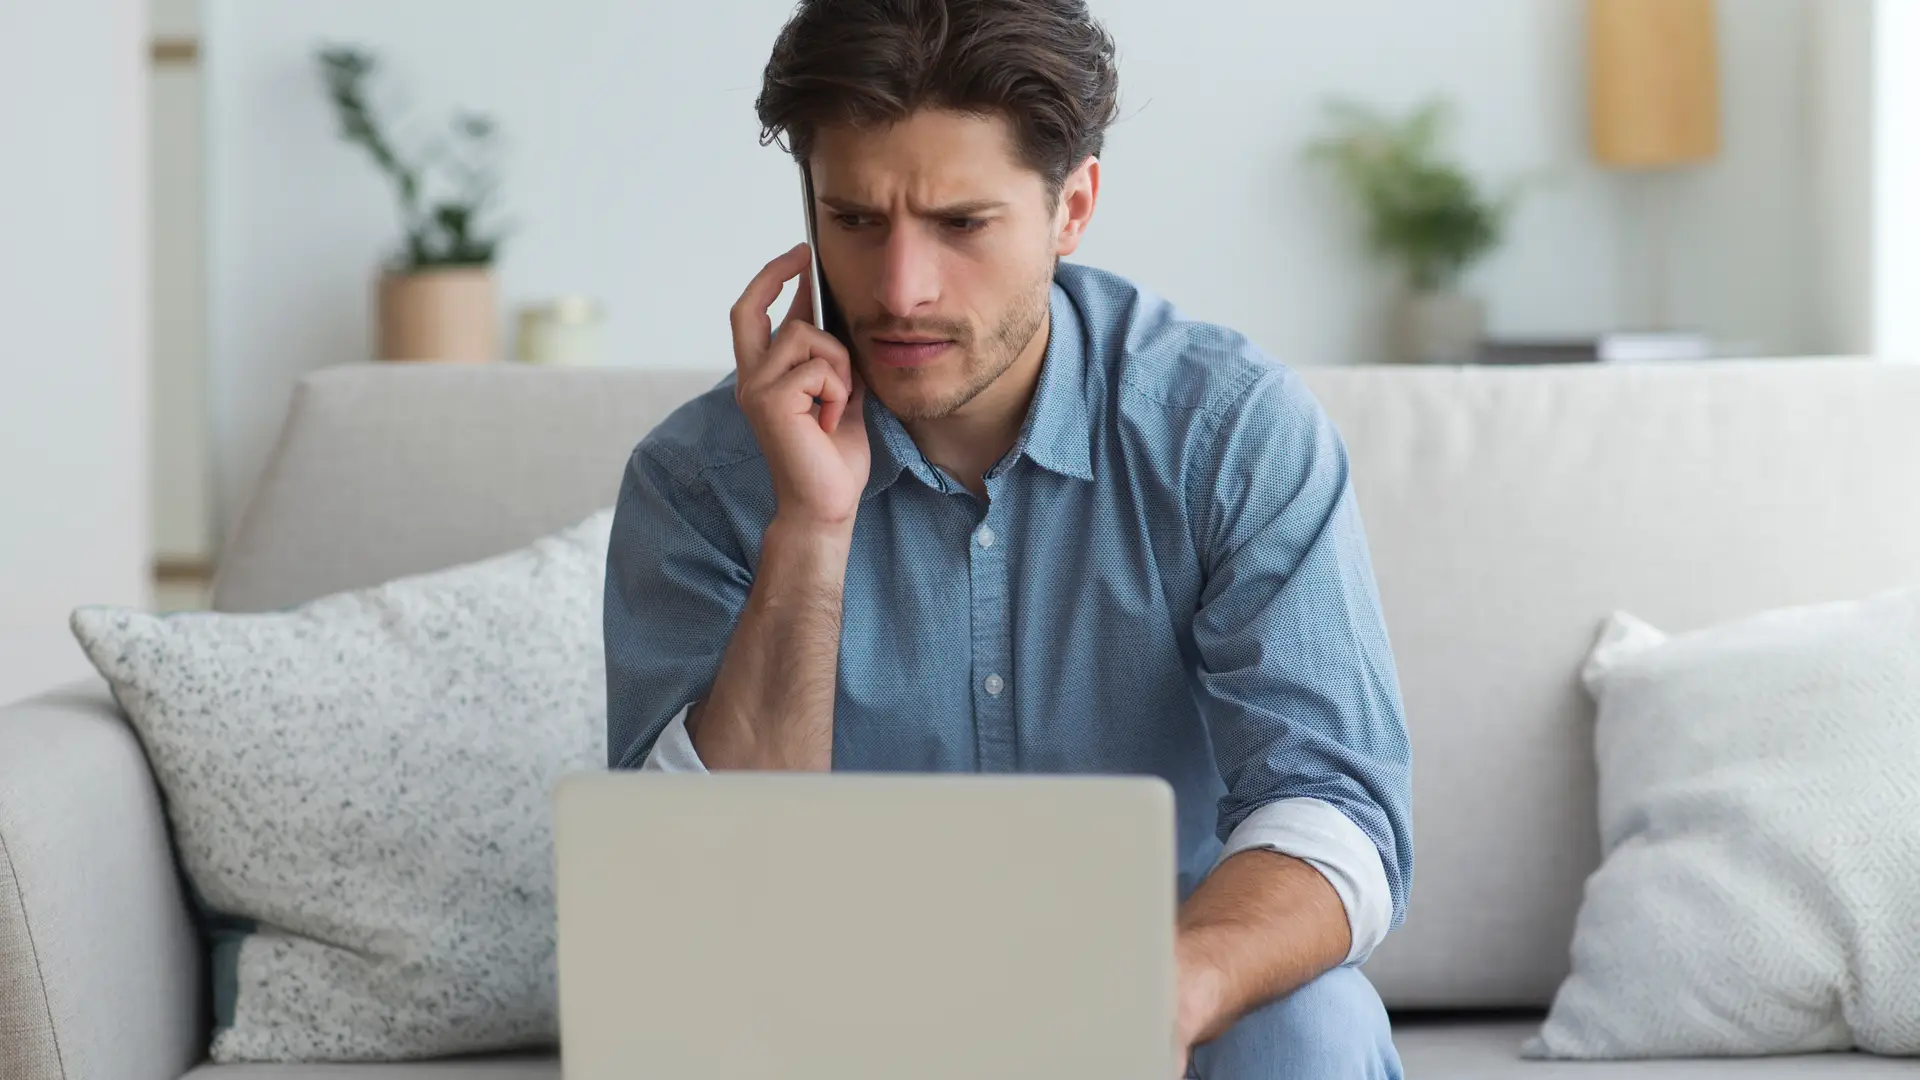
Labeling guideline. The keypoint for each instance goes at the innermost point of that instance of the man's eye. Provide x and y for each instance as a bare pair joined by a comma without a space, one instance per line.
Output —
966,224
850,221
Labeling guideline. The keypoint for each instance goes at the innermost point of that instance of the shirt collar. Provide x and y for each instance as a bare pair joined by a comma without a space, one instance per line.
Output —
890,446
1055,437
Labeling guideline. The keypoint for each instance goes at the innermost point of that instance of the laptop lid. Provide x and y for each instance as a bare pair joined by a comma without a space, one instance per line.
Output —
865,927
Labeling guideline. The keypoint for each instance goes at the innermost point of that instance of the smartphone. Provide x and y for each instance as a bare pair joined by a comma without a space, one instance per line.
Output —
826,313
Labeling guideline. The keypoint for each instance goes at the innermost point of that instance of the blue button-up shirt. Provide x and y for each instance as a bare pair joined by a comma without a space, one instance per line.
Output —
1168,577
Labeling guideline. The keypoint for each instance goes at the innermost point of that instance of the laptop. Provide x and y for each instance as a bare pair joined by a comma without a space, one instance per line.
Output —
778,926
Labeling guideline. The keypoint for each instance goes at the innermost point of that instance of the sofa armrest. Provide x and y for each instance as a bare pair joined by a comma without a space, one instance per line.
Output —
100,964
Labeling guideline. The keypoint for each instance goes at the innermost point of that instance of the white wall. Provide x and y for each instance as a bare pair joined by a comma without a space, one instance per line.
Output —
73,311
1865,95
638,177
1896,180
1840,75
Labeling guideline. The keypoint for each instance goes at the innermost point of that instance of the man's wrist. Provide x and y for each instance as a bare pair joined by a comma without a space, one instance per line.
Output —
1203,990
802,563
809,533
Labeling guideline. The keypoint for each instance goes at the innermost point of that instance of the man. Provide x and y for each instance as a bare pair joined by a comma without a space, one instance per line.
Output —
1032,519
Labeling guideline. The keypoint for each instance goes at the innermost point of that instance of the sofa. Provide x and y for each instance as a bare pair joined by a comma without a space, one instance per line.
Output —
1509,510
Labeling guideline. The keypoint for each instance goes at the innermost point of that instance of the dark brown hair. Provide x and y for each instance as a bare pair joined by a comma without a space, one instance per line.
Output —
1045,65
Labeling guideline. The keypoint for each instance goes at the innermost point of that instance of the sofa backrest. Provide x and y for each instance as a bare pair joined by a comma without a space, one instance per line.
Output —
1509,510
388,469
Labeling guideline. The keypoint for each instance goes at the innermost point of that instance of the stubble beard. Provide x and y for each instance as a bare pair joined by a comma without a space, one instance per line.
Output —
981,366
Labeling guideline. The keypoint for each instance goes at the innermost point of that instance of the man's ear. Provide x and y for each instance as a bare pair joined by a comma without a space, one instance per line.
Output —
1078,194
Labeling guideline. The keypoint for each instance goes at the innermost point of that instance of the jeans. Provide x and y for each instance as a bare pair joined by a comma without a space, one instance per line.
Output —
1333,1028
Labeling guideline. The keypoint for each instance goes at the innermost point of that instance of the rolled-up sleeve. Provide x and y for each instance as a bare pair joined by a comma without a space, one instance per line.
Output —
1297,680
676,584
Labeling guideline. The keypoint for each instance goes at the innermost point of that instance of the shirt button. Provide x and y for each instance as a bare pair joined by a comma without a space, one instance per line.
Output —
994,685
984,536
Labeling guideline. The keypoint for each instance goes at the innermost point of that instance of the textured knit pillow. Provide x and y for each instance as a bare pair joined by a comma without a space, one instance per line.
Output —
359,790
1760,815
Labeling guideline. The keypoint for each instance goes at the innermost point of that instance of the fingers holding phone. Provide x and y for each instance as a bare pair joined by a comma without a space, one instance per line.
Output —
800,394
763,353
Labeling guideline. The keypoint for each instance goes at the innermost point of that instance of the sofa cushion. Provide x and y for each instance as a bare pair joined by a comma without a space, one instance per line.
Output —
1474,1049
360,793
1509,511
1761,817
504,1067
1453,1049
383,470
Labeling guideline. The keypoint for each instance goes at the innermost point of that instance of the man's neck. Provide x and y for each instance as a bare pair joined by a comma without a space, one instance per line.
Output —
968,441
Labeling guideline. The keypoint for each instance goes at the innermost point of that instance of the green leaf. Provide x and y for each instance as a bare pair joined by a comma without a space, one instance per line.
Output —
1422,209
444,234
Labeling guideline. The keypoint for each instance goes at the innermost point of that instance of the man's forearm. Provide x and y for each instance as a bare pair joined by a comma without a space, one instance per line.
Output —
771,704
1260,926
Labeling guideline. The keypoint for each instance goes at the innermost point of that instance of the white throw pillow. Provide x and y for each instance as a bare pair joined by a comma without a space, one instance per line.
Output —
1760,818
359,789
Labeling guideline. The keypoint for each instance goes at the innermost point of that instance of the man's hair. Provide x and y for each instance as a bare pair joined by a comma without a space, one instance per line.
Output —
1045,65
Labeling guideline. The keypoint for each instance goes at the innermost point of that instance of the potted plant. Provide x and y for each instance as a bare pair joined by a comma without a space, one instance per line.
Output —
436,295
1424,212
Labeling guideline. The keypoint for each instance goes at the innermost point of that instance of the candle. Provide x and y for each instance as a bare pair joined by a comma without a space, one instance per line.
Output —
567,330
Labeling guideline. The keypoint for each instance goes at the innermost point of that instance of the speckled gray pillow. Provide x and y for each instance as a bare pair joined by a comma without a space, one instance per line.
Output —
359,789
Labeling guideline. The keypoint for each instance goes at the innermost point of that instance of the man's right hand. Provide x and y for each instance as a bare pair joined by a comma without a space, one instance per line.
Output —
803,399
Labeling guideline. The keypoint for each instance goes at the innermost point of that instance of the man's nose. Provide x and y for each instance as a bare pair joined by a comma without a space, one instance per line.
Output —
910,277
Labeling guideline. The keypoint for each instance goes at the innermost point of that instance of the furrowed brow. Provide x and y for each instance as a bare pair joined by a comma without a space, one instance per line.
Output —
969,208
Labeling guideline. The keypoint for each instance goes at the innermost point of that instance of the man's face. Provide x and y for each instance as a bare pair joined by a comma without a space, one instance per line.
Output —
939,245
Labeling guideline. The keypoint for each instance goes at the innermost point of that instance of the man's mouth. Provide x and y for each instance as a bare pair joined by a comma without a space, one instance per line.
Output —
909,352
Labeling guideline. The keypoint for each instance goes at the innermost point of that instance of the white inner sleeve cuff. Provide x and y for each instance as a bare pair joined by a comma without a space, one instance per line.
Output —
673,751
1318,834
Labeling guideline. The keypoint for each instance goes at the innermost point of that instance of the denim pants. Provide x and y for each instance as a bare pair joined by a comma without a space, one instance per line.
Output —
1333,1028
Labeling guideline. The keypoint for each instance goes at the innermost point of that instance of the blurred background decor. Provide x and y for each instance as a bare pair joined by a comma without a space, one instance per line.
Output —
1424,213
1653,102
1653,112
567,330
436,294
